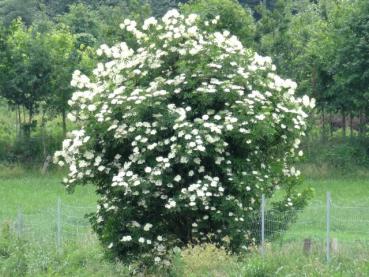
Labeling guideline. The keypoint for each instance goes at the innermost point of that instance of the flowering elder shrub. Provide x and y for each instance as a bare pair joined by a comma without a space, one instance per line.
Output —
181,138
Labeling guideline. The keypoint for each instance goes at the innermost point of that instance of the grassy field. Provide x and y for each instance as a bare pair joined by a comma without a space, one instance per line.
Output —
33,192
36,197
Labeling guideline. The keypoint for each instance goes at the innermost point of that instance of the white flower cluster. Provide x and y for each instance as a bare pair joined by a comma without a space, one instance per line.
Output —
181,135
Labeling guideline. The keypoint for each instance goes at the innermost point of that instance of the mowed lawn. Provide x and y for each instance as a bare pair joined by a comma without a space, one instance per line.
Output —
32,192
349,211
351,191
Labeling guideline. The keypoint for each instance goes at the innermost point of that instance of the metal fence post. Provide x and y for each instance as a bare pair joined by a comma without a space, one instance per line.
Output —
58,224
328,215
262,224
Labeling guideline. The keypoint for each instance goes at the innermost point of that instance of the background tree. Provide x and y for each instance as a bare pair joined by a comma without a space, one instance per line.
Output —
352,63
111,16
233,17
84,22
64,57
28,74
160,7
27,10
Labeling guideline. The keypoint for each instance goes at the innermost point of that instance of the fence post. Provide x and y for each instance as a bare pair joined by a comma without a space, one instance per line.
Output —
262,208
58,224
328,215
46,165
19,223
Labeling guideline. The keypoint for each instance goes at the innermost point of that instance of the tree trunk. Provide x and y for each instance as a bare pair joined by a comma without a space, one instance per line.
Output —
351,127
18,121
30,116
343,124
64,117
330,125
362,124
24,115
43,134
324,126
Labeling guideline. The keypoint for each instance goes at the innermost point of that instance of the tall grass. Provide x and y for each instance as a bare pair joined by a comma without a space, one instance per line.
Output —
23,259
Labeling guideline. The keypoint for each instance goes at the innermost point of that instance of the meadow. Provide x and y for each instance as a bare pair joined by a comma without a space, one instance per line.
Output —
34,194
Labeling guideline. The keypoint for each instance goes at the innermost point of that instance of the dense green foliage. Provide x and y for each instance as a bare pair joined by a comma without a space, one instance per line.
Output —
232,17
323,46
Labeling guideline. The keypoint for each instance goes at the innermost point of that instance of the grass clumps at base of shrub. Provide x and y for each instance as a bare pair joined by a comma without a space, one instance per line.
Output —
206,260
13,261
22,258
286,260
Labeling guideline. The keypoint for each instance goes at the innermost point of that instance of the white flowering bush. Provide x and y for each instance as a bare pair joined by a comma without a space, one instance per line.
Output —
181,137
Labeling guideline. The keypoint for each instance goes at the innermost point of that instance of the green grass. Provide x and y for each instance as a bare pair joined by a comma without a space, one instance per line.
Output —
36,196
346,189
31,192
349,207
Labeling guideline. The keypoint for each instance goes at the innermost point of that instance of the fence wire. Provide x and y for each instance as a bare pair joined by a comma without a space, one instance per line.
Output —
52,227
320,229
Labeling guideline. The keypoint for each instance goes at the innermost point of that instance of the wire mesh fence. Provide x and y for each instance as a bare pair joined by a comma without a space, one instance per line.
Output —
52,227
327,230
